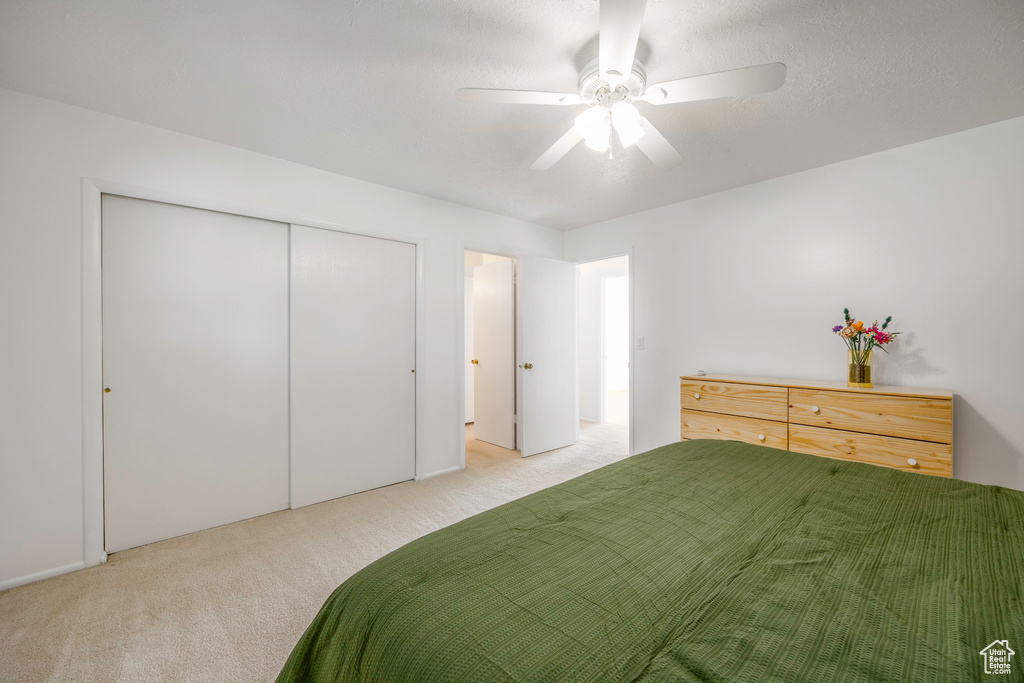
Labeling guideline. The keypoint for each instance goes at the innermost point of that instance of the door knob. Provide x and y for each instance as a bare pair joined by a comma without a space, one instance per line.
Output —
475,362
528,366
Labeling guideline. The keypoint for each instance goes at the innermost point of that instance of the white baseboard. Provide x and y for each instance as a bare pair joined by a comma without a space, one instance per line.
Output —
39,576
439,473
587,419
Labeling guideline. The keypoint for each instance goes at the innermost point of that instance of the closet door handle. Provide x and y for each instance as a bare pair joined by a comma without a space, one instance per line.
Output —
475,362
528,366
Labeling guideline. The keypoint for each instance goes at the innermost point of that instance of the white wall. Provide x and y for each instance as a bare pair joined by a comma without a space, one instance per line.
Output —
751,281
476,258
589,331
46,148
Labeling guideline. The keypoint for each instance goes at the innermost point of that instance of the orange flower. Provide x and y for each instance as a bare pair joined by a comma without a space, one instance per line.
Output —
859,325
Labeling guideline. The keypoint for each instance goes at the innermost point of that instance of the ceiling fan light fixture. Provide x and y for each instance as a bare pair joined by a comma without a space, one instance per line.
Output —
612,81
614,78
595,126
626,119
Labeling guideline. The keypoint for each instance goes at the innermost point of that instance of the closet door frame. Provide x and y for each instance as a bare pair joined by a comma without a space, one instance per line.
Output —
93,546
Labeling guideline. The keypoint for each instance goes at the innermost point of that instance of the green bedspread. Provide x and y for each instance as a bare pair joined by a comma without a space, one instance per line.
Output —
699,561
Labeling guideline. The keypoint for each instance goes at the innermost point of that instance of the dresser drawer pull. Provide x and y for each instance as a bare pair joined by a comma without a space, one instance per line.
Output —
912,462
697,396
760,437
815,409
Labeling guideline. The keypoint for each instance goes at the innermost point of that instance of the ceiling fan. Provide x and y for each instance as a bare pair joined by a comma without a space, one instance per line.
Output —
612,83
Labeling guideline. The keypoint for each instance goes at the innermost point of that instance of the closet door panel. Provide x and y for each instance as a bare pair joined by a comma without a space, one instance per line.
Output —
353,352
195,354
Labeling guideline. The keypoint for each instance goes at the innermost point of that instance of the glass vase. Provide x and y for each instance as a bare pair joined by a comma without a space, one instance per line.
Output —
859,363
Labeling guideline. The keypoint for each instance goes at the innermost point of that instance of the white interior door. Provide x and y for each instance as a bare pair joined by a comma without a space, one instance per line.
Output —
467,361
615,338
547,299
195,355
353,351
494,318
616,333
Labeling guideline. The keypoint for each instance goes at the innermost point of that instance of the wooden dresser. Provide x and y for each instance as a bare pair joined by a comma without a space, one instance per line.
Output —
909,429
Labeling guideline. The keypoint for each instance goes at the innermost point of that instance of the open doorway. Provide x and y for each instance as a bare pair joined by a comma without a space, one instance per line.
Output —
603,346
490,358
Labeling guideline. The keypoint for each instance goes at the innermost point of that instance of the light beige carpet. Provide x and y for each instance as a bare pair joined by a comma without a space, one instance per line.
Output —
229,603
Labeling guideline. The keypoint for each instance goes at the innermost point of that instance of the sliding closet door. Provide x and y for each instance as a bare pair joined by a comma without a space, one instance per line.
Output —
353,405
195,365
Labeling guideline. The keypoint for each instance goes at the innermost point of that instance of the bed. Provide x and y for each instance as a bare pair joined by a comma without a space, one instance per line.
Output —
699,561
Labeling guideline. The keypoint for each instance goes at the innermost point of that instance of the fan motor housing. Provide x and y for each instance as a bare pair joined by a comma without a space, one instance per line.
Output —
592,83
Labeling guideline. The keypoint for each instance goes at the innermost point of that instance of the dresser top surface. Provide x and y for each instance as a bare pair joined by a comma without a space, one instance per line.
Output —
879,389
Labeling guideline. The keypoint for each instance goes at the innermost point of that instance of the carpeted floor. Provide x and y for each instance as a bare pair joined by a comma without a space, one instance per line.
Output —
229,603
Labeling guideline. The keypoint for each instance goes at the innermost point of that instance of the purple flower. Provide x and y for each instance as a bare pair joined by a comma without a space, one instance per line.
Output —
837,328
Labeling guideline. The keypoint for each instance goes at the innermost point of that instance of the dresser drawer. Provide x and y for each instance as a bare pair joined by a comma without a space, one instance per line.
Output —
747,400
931,458
926,419
698,425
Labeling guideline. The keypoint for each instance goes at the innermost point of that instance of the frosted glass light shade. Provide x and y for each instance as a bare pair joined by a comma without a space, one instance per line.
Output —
626,120
595,126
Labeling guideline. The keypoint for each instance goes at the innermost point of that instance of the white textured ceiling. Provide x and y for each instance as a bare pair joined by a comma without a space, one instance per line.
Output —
367,89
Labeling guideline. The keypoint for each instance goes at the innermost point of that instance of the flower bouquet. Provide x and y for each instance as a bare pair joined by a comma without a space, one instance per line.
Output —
860,341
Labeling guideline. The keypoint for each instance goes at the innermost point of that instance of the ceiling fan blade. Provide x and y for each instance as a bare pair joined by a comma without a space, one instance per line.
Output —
493,96
557,151
620,29
659,150
737,82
